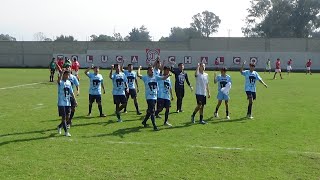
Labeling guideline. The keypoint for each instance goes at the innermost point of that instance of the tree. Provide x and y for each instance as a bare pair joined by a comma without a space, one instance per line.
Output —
206,23
117,37
141,34
101,38
65,38
279,19
7,37
181,34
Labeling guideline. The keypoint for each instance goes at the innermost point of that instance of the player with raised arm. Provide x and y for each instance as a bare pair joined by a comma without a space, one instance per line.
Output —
133,87
251,76
120,88
75,68
96,82
164,96
180,77
224,83
278,69
289,66
52,68
65,92
151,91
202,91
308,67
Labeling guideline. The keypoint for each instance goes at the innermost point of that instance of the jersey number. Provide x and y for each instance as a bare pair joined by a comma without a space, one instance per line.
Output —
95,82
119,82
152,85
252,79
223,84
66,92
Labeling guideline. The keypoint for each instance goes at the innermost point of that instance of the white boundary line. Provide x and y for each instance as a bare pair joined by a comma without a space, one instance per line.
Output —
214,147
22,85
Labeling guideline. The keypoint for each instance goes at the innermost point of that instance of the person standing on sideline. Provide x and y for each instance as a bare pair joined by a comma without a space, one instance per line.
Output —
65,92
151,90
278,69
52,68
75,68
224,81
96,82
180,77
251,76
133,87
120,88
164,96
202,91
308,67
268,66
289,66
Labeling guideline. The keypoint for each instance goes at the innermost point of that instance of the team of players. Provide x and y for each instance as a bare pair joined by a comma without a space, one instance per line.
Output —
158,89
289,67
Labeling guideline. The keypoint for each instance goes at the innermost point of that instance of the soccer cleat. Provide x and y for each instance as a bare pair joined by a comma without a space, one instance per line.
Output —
103,115
59,130
181,110
89,114
156,128
192,119
158,116
67,134
139,113
167,124
249,116
125,112
216,114
228,117
177,111
119,120
203,122
144,124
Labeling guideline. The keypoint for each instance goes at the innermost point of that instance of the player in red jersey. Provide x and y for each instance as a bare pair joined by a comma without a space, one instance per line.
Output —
289,66
308,66
75,68
278,69
60,63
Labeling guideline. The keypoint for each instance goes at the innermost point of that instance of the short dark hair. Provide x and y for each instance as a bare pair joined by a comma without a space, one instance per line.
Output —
149,67
180,64
130,64
224,69
252,64
166,68
116,65
66,72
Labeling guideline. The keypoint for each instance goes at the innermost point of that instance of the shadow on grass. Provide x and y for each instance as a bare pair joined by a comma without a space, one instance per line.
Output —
225,120
27,139
29,132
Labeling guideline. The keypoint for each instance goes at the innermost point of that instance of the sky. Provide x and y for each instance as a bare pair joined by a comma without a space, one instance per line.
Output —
82,18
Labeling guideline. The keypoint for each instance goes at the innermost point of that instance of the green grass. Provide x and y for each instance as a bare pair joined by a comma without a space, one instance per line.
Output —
282,142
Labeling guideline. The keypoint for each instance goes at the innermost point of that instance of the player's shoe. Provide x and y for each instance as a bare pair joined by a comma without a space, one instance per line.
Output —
167,124
119,120
89,114
156,128
158,116
228,117
216,115
181,110
67,134
177,111
125,112
144,124
103,115
249,116
59,130
192,119
139,113
203,122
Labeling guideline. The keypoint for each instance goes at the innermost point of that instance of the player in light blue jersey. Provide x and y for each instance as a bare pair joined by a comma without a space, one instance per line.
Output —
251,76
223,80
120,88
65,92
164,96
157,67
151,89
96,82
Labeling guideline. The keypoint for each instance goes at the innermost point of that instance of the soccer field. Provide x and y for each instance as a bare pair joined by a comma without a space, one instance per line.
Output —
281,142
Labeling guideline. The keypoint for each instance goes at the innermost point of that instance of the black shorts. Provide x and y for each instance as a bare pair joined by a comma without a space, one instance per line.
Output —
132,93
73,102
119,99
64,111
163,103
201,99
251,95
52,71
179,92
94,98
151,105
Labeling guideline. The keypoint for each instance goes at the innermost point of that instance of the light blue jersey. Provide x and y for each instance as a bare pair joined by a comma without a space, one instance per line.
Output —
119,83
131,77
95,83
156,72
74,80
64,93
151,86
164,89
223,81
251,78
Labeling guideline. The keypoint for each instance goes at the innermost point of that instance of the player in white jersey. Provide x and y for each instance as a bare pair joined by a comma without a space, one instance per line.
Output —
65,92
202,91
224,85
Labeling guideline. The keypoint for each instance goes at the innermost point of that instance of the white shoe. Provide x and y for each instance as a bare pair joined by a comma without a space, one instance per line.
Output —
59,130
67,134
119,120
216,115
228,117
167,124
249,116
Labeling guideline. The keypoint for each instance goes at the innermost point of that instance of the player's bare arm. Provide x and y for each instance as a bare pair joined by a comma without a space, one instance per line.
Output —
102,85
136,81
110,74
197,70
265,85
215,77
139,72
87,70
208,91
